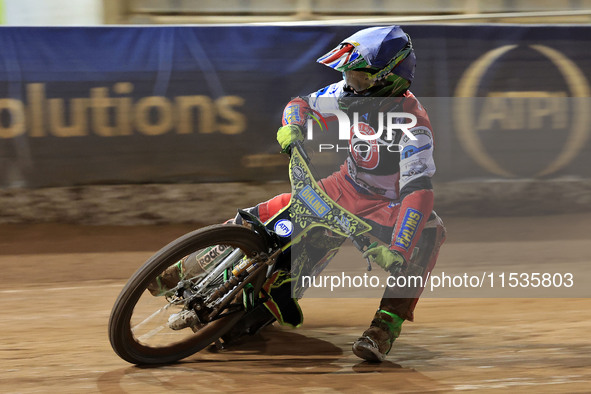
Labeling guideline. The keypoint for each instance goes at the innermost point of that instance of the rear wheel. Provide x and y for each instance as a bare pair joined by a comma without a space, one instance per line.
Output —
138,326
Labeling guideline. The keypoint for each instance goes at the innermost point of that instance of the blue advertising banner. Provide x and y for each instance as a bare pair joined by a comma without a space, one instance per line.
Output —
203,103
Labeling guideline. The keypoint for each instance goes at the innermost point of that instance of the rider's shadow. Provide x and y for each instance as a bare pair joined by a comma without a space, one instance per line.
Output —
277,341
274,341
288,346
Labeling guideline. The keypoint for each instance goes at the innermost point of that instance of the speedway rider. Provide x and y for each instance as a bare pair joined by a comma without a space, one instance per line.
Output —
389,189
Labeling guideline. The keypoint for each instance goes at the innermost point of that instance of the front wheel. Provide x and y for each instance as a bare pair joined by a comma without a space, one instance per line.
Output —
138,326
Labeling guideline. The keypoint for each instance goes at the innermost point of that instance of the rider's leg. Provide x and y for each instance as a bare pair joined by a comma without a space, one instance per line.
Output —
398,304
266,210
375,342
167,279
189,266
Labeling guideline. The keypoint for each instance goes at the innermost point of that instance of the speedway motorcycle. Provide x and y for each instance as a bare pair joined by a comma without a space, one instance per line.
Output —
232,280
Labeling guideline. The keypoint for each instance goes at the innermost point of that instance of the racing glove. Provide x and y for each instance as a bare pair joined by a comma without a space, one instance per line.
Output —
286,135
389,260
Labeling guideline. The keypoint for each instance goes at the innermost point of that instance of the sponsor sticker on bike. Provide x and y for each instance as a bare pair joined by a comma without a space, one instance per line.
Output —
283,228
313,201
208,255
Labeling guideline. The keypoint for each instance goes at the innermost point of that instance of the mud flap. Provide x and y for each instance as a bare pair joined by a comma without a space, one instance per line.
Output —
282,306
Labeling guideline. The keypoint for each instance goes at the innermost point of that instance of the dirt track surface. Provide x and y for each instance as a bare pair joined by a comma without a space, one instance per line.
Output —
59,283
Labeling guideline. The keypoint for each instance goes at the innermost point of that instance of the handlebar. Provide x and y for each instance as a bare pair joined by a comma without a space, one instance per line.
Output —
300,147
362,243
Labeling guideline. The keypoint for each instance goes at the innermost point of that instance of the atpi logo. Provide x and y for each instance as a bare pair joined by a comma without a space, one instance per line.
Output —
531,113
283,228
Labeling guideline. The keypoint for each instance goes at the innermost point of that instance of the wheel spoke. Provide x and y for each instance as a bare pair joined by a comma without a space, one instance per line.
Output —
149,318
151,333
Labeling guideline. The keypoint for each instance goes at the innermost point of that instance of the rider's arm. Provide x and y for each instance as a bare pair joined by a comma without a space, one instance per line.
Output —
416,194
297,111
295,116
323,101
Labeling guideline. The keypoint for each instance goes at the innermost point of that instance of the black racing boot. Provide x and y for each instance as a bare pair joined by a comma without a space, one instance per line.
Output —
377,340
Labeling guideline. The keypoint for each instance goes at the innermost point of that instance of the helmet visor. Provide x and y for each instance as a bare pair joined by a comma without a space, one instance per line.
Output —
359,80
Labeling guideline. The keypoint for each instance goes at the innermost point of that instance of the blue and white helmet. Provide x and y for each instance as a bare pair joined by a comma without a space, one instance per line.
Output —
378,61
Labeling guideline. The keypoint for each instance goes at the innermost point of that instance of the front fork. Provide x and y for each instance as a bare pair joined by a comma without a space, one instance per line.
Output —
242,275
